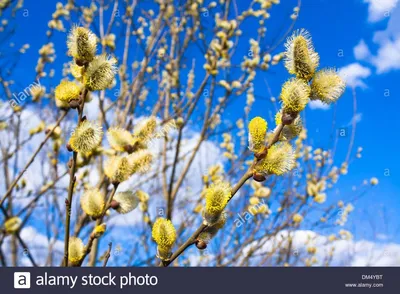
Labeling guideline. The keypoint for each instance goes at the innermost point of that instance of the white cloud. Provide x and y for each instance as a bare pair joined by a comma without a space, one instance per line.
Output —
354,74
38,245
388,56
380,9
317,104
361,51
347,252
392,30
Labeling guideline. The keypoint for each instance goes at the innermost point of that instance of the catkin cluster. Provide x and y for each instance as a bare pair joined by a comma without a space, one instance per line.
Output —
301,60
91,72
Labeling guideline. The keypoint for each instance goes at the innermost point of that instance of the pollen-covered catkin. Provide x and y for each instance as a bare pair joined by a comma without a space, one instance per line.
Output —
67,91
125,202
295,95
145,129
92,202
86,137
164,234
217,196
257,132
82,45
12,225
279,160
100,73
99,230
300,56
118,169
119,138
327,86
140,161
76,250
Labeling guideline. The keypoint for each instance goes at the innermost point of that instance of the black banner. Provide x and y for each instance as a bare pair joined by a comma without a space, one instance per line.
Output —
200,280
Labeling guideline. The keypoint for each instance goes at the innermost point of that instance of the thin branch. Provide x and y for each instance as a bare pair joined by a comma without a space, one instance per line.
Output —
108,254
14,183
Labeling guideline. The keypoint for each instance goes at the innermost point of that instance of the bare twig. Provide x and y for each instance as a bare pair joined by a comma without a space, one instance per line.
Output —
14,183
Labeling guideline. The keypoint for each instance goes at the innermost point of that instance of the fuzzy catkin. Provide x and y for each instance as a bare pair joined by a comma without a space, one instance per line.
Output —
86,137
327,86
300,56
217,196
82,44
100,73
295,95
257,132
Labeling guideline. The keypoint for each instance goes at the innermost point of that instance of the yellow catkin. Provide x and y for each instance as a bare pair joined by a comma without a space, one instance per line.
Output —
297,218
76,250
100,73
67,91
300,56
140,161
164,234
295,95
279,160
119,138
118,169
127,201
99,230
217,196
92,202
12,225
327,86
86,137
257,132
82,45
144,131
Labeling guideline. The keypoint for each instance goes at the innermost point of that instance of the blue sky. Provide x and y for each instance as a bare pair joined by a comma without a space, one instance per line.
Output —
356,36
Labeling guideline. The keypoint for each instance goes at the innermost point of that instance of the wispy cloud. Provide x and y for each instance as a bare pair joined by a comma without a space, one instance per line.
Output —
361,51
347,252
317,104
354,74
387,56
379,9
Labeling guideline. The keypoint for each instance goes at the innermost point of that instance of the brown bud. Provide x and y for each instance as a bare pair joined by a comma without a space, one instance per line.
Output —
114,204
115,183
261,155
80,62
93,219
129,148
69,148
288,117
74,103
83,118
200,244
258,177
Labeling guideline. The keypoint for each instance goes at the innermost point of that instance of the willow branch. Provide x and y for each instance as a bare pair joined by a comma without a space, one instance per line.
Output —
14,183
249,173
72,179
